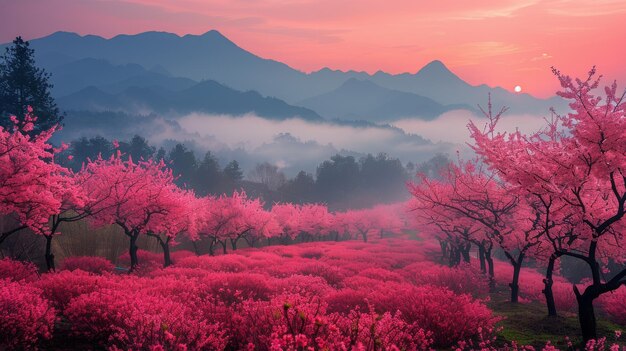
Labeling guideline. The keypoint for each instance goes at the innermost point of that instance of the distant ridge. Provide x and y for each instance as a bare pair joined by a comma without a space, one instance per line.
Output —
212,56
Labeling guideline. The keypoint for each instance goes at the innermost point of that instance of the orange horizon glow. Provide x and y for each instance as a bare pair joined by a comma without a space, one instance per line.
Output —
500,43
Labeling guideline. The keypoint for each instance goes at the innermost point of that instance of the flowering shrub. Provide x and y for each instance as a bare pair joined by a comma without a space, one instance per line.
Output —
26,317
371,331
97,265
461,280
59,288
450,317
131,319
17,271
223,263
289,322
354,296
148,261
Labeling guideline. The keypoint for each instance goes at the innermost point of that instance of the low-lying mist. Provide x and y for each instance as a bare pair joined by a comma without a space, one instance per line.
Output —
451,127
293,144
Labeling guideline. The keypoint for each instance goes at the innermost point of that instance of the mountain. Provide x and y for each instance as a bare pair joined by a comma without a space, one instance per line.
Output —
212,56
205,97
197,57
76,75
362,99
437,82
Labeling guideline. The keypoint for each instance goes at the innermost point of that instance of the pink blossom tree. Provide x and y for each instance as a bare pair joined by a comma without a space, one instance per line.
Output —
508,219
137,196
288,216
178,219
577,164
33,189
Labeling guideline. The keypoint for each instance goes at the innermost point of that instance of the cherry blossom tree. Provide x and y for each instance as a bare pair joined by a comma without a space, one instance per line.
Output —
136,196
315,220
288,216
178,219
576,166
508,219
33,189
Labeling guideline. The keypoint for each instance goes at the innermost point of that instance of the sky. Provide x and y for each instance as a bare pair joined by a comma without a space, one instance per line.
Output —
497,42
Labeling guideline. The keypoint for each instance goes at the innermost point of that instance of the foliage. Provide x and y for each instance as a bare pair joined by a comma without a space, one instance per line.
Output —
26,317
25,88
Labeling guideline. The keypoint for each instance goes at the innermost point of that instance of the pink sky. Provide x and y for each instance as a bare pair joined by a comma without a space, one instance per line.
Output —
498,42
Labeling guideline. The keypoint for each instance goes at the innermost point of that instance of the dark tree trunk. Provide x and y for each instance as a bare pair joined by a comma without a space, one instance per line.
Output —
465,252
49,256
586,314
364,237
165,245
251,241
132,251
517,267
547,290
492,280
233,243
336,236
196,249
481,258
455,256
223,243
212,247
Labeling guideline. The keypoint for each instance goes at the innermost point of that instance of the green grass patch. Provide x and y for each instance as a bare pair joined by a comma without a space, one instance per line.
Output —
529,324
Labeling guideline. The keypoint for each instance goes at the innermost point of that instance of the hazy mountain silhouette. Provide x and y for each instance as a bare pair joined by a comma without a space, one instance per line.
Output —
212,56
206,97
76,75
363,99
437,82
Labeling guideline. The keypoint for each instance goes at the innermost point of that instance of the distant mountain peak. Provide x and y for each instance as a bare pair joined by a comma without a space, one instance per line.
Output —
212,36
62,33
435,66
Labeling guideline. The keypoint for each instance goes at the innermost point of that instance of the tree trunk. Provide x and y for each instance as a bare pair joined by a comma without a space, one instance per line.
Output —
212,247
132,251
251,241
165,245
223,243
233,243
465,252
517,267
586,314
481,258
547,290
196,249
492,280
49,256
364,237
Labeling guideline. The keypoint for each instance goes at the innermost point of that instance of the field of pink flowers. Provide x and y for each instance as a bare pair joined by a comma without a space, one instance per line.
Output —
381,295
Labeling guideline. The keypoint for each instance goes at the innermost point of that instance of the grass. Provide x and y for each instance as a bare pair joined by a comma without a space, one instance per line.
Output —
529,324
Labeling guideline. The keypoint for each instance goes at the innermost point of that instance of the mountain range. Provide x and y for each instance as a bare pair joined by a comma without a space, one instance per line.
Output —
166,73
